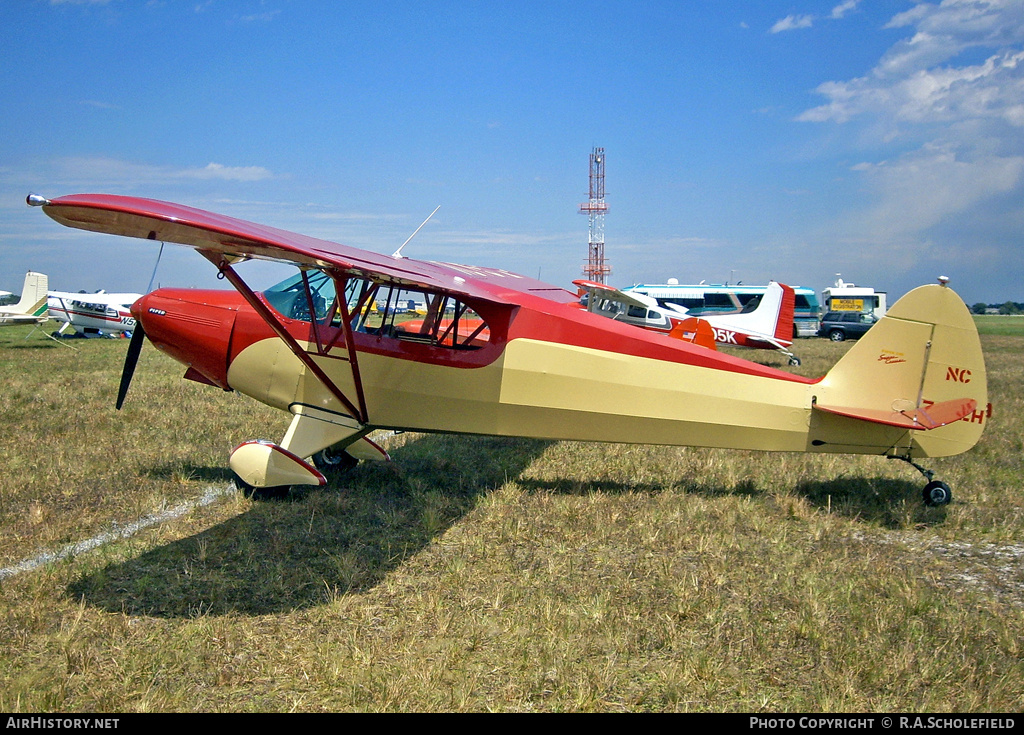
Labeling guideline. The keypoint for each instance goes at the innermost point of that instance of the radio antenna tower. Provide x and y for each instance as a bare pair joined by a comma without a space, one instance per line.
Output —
597,267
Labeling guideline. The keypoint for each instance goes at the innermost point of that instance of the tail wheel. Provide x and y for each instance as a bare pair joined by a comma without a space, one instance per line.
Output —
937,493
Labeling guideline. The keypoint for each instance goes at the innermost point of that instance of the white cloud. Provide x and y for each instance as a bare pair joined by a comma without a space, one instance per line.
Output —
227,173
992,90
99,171
842,9
925,187
943,109
792,22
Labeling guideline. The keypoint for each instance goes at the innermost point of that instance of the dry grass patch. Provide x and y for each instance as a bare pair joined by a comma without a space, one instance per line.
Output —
493,574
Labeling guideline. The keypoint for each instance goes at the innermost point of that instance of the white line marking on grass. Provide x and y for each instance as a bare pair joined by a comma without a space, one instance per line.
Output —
211,495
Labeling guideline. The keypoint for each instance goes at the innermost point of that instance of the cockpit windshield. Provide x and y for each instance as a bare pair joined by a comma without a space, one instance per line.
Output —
306,295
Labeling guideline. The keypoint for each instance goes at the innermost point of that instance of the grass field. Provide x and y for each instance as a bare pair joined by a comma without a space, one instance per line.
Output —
998,324
490,574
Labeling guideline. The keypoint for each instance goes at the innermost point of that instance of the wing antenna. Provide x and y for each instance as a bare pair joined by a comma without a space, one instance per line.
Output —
398,253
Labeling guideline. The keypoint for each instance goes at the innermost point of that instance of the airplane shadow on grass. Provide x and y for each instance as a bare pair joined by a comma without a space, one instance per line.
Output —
879,500
31,346
302,548
882,501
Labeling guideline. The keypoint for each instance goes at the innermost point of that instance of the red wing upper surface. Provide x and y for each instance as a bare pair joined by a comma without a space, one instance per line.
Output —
167,222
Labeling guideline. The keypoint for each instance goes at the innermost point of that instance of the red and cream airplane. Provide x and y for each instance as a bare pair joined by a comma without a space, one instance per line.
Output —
766,326
502,354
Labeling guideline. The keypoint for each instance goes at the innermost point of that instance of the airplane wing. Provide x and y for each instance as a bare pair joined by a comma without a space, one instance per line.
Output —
123,300
237,239
612,294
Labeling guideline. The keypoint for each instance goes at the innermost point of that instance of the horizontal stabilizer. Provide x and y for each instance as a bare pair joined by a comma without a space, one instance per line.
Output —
932,417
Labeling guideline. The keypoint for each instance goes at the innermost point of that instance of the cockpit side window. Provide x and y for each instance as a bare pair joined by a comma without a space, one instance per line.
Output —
386,310
412,315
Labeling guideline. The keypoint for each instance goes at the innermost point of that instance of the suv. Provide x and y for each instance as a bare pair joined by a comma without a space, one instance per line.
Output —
840,325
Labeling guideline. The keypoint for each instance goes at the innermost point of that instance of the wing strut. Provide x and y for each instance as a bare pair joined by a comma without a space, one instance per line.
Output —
247,293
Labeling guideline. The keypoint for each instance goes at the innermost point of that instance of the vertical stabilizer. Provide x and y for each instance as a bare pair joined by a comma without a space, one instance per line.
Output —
772,318
924,352
33,295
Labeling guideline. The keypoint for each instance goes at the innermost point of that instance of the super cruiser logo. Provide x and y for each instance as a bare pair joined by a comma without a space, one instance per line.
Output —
891,357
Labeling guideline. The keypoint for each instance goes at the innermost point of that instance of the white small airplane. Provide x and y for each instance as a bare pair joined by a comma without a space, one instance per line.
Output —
768,326
93,314
31,308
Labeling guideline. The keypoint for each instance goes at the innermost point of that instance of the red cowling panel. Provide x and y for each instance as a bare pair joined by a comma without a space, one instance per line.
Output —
192,326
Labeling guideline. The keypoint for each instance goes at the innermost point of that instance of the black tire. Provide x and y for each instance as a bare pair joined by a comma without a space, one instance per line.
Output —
794,361
334,460
277,492
937,493
837,335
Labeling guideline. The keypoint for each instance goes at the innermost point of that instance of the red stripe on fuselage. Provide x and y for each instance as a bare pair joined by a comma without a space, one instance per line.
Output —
208,329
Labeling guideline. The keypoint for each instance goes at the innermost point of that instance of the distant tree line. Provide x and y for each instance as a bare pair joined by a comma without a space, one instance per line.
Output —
1009,307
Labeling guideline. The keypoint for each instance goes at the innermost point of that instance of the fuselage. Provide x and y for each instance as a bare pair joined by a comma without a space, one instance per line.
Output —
111,314
547,370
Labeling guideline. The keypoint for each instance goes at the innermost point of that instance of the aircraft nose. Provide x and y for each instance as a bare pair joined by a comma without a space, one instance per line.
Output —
192,327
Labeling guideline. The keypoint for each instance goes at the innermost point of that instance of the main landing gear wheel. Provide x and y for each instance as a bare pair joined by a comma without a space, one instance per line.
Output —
252,492
937,493
334,460
794,361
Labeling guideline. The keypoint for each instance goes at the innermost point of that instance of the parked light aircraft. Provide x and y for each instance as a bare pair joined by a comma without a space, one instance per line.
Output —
31,307
913,387
93,314
768,325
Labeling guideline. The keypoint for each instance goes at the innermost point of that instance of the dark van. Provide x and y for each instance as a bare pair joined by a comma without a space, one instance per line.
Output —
840,325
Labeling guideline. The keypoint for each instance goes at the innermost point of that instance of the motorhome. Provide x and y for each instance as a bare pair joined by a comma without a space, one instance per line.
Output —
849,297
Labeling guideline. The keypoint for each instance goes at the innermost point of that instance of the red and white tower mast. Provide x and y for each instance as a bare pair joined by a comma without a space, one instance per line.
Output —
597,267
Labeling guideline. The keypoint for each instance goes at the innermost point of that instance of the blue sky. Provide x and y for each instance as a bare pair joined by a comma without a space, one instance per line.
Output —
787,140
